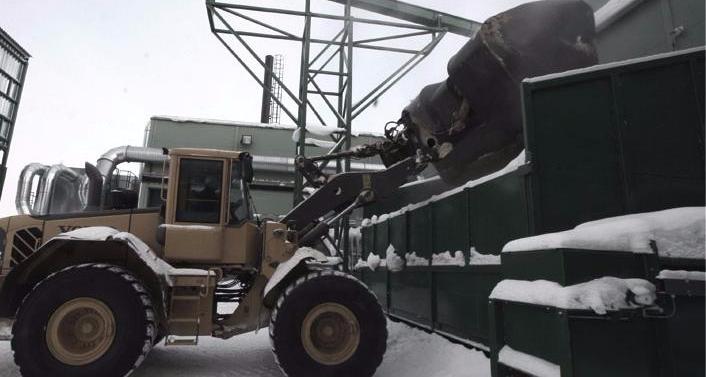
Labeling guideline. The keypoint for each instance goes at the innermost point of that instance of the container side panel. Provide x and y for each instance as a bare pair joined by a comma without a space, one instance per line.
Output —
410,296
575,154
462,301
498,213
533,330
450,224
419,237
660,130
613,348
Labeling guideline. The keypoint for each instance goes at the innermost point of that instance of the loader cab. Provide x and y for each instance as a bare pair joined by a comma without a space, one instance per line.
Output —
209,213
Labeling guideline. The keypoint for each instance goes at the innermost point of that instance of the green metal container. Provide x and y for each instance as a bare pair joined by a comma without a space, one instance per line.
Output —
410,289
498,212
682,332
382,240
580,342
572,266
411,296
419,235
449,228
615,139
461,299
368,234
378,283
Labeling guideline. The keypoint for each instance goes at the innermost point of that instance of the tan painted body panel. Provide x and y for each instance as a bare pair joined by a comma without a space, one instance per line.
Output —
276,247
141,224
194,243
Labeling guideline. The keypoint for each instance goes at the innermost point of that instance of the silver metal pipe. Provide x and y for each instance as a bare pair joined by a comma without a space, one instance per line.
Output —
111,159
24,187
47,184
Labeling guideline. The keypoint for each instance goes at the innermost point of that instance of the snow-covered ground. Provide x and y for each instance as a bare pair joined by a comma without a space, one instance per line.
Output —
410,353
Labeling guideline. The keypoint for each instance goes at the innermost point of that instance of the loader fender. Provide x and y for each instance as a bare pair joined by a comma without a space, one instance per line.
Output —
292,267
88,245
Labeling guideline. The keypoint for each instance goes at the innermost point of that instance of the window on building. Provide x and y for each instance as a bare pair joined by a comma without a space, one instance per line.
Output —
199,195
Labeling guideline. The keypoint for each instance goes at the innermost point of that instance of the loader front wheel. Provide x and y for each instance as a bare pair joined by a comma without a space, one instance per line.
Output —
328,324
87,320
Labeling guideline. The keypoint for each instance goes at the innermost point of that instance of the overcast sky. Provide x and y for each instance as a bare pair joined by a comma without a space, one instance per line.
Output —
100,69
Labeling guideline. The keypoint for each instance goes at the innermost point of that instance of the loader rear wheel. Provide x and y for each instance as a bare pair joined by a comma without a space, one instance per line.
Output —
328,324
85,320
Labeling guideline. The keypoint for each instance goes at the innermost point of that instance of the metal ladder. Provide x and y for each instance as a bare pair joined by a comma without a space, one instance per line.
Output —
187,293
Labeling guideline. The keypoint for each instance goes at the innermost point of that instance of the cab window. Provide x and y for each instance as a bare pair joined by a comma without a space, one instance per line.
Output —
199,192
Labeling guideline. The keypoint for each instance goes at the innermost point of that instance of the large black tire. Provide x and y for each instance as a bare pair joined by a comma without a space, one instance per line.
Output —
114,289
334,289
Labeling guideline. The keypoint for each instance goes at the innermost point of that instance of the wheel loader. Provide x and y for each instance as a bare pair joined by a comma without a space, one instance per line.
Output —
94,291
90,293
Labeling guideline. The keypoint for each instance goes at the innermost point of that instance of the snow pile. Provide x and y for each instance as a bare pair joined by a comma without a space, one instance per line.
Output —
676,233
319,143
446,259
527,363
415,353
393,261
599,295
361,265
478,259
316,130
682,275
414,260
374,261
368,222
93,233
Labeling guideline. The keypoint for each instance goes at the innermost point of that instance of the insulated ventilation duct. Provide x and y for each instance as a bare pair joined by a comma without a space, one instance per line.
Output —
50,189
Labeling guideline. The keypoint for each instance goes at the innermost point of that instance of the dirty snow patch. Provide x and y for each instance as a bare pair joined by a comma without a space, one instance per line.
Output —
600,295
676,233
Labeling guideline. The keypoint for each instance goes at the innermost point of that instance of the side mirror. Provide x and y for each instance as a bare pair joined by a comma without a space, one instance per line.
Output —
247,167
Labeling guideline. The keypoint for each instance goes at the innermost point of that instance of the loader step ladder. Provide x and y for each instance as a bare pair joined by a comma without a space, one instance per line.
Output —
190,292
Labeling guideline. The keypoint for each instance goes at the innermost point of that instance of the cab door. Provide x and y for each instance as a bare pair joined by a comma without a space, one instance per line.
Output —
196,214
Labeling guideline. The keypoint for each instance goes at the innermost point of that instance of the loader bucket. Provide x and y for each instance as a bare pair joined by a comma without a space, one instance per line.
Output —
476,111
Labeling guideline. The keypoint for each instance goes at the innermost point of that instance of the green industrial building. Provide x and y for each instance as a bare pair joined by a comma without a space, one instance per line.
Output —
634,28
271,146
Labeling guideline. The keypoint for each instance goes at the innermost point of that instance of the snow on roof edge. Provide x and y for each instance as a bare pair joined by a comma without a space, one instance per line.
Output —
221,122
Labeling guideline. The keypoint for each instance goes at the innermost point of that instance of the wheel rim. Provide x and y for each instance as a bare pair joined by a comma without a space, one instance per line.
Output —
330,333
80,331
